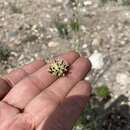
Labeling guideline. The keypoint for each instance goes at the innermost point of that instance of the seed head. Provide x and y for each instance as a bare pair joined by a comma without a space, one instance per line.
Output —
58,67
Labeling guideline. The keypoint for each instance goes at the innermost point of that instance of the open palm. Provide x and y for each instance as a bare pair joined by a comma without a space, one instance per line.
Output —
33,99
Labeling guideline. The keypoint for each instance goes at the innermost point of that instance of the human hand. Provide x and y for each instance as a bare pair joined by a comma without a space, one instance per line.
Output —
33,99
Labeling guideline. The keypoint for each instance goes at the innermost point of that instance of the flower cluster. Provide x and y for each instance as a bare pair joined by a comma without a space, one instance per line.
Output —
58,67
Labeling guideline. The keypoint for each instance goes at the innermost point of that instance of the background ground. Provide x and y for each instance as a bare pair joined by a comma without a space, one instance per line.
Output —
99,29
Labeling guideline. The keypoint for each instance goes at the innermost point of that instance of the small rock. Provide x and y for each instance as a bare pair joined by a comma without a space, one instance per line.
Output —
87,78
21,57
122,79
53,44
59,1
14,54
36,55
87,3
52,30
97,41
99,27
83,10
83,28
88,117
123,42
84,46
48,16
66,20
9,70
97,60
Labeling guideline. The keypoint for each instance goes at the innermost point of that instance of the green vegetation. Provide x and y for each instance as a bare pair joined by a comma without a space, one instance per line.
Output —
62,29
102,91
75,29
14,8
70,29
126,2
75,25
105,1
4,52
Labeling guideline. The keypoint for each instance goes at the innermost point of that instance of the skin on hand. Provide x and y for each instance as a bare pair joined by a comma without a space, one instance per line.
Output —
34,99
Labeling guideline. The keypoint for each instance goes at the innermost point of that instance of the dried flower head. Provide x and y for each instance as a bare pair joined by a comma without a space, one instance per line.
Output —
58,67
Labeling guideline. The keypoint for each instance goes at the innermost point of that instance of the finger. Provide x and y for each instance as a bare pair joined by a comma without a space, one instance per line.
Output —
55,94
63,117
46,78
78,71
6,114
9,80
4,88
16,75
31,86
66,114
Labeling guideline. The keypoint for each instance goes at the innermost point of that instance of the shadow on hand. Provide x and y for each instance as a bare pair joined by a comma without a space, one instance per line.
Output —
114,117
66,114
